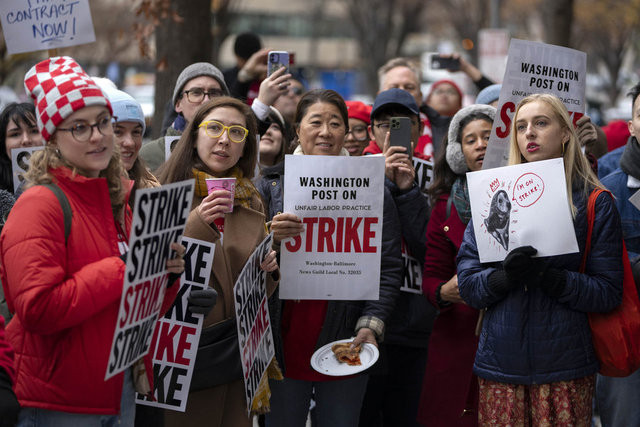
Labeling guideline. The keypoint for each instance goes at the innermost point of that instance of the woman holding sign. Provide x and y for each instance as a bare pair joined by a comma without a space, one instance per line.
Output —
64,282
449,389
535,359
218,146
18,128
301,327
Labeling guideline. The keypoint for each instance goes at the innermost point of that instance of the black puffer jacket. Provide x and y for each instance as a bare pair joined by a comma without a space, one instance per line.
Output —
411,322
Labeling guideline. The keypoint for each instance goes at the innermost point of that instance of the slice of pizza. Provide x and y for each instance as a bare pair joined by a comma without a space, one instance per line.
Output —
345,354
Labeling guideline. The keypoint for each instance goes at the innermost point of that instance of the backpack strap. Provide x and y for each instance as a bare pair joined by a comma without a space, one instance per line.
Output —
591,216
66,208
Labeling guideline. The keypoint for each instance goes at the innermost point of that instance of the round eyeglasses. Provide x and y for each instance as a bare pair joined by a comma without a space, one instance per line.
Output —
82,130
359,133
215,129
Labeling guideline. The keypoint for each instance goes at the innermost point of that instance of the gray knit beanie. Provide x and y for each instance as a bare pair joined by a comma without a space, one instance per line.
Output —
196,70
454,155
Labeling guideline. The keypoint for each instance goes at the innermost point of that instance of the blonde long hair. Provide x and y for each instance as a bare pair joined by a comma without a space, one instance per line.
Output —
577,169
43,160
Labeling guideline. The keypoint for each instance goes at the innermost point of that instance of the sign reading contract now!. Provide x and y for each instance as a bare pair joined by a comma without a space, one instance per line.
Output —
340,202
30,25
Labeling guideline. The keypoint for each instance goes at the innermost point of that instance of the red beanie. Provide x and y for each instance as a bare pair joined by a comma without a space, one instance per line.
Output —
617,132
60,87
359,110
452,83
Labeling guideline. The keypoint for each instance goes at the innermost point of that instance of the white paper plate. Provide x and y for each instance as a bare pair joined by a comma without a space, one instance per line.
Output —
325,362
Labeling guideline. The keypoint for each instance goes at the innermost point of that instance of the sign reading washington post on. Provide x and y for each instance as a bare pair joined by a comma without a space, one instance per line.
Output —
20,158
175,343
30,25
159,217
254,327
521,205
340,202
534,67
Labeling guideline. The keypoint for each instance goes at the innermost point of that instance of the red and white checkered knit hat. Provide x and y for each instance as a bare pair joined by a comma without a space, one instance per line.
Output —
59,87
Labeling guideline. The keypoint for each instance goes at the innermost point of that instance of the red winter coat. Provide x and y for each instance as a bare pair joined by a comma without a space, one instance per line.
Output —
65,298
449,386
6,354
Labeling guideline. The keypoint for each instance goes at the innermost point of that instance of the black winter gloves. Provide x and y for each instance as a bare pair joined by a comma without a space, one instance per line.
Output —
9,406
519,267
202,301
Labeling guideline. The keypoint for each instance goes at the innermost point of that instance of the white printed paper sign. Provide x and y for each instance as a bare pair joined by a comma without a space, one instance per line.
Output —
534,67
175,343
521,205
340,202
20,158
31,25
169,143
255,337
159,217
635,199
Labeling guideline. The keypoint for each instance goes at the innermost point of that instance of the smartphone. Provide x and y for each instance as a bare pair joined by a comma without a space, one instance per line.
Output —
400,133
276,60
444,63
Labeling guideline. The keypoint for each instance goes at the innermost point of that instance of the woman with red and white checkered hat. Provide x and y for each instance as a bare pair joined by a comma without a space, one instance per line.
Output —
65,285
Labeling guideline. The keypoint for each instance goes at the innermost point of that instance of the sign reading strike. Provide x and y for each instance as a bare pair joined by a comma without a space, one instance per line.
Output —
159,217
340,202
175,343
30,25
424,173
534,67
254,327
521,205
20,158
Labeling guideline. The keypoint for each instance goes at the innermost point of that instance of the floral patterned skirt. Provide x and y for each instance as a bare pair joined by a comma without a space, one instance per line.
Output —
563,403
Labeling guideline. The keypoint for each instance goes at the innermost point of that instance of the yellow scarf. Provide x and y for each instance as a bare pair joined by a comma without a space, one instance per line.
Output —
245,191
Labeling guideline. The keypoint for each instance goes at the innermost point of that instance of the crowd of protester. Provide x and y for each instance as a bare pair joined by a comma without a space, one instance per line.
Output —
503,343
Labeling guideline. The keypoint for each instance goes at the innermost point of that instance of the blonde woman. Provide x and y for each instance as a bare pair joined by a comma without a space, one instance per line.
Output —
535,360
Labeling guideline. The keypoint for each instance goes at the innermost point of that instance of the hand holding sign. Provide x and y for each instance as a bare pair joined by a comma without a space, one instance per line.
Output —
286,225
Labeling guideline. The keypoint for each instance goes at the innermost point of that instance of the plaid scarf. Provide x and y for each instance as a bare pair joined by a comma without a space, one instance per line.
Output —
245,191
460,194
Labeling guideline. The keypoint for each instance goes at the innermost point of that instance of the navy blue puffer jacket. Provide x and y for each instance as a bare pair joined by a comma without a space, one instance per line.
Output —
530,338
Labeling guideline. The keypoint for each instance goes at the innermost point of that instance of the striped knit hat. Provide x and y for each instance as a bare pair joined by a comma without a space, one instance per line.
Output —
59,87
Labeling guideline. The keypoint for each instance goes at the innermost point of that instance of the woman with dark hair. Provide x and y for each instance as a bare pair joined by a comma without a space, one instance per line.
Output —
302,326
449,389
18,128
220,143
535,361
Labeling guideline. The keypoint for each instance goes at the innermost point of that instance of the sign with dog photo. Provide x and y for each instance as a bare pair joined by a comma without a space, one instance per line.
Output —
521,205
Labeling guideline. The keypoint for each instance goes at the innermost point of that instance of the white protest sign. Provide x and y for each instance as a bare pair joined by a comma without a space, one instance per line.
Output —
521,205
254,327
20,158
424,173
169,143
635,199
30,25
175,344
534,67
159,217
340,202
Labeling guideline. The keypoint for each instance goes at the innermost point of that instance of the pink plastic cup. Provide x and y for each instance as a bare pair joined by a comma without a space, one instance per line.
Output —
228,184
